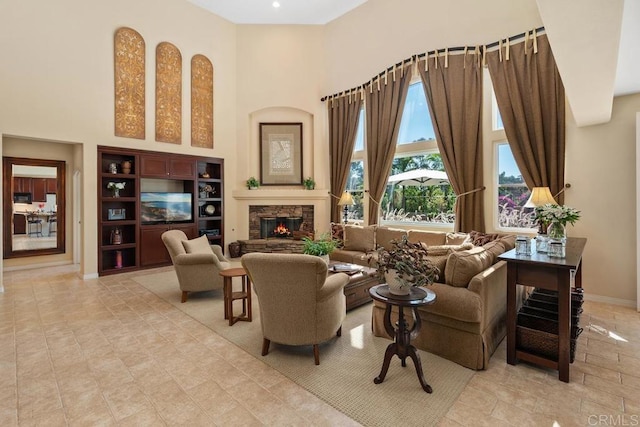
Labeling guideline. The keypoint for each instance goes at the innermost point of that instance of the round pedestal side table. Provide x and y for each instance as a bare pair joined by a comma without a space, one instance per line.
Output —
402,335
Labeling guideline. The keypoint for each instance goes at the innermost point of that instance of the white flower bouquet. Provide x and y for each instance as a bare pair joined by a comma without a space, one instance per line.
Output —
550,213
116,186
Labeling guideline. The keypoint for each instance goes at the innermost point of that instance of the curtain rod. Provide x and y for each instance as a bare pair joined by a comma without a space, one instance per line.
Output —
422,55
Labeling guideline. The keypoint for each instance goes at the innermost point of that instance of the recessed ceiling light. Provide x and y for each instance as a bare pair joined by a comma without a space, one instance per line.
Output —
276,4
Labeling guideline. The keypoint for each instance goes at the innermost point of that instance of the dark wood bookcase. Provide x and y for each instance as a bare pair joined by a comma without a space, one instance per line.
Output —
140,245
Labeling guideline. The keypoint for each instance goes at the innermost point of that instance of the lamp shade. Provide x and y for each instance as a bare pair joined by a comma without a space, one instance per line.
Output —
539,196
346,199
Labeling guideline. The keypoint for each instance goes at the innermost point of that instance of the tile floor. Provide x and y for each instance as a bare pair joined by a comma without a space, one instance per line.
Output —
108,352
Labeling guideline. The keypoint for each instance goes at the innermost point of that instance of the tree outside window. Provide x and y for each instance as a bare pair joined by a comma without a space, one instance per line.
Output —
512,192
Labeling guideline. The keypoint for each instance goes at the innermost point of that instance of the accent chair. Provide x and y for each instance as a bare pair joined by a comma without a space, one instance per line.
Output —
299,303
196,262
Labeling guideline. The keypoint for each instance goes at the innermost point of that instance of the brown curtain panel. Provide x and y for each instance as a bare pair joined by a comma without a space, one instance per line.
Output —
384,102
454,92
530,96
343,125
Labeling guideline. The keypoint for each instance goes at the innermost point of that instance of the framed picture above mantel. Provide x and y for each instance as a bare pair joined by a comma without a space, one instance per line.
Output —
281,153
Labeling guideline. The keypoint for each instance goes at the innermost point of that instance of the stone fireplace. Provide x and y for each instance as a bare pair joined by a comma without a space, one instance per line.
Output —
279,221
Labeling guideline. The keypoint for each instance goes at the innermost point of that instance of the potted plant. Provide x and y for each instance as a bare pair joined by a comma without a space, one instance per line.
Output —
253,183
404,266
309,183
321,247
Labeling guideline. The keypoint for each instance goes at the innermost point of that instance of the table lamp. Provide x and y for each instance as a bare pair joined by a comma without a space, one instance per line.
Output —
539,196
346,200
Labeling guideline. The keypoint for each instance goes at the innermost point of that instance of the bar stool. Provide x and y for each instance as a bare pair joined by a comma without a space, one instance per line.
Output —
34,221
53,221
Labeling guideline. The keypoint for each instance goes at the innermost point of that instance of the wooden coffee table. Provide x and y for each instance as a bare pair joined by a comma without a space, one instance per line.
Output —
357,290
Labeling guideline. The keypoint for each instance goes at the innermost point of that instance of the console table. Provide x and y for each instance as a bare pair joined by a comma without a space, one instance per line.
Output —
541,271
401,345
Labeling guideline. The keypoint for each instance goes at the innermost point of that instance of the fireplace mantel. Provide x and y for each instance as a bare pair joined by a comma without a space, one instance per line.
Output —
280,194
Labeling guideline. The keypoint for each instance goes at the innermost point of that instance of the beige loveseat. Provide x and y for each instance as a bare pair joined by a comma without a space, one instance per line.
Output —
468,319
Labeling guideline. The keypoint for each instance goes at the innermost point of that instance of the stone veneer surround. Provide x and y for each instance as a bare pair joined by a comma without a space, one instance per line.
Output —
261,211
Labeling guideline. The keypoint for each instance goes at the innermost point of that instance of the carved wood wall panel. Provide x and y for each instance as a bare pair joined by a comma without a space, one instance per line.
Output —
168,93
129,51
201,102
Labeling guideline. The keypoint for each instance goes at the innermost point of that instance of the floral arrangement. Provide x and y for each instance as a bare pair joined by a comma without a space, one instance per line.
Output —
116,186
410,262
550,213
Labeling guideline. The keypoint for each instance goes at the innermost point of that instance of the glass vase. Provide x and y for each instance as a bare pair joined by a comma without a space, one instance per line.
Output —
557,231
116,192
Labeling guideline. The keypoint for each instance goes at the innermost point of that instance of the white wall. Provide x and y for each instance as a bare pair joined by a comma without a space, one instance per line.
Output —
600,165
380,33
56,79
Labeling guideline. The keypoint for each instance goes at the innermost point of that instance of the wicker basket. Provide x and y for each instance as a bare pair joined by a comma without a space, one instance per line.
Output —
541,343
550,326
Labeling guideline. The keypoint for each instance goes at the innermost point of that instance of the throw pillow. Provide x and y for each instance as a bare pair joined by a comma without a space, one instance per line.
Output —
495,247
479,238
428,237
337,234
438,256
462,266
457,238
358,238
199,245
384,236
509,241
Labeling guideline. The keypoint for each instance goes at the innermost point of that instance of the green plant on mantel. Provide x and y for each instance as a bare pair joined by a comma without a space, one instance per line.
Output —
410,262
323,246
309,183
253,183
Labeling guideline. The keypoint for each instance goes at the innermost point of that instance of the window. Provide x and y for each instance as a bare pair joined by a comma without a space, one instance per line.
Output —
422,200
512,192
355,181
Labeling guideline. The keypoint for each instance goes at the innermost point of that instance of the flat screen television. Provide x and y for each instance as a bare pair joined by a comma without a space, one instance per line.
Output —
158,208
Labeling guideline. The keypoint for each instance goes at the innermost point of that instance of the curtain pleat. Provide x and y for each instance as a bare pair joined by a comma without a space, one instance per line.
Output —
454,94
344,112
383,116
530,96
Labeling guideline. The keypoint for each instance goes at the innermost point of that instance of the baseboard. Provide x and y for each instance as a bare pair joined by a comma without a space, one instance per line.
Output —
89,276
33,266
609,300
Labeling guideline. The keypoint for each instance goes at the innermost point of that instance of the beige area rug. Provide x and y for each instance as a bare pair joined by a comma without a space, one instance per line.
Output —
348,364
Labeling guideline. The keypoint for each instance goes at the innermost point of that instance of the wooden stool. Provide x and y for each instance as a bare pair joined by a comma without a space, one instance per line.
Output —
230,296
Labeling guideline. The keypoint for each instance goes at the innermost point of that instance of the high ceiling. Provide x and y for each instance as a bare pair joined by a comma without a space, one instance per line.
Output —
604,33
290,11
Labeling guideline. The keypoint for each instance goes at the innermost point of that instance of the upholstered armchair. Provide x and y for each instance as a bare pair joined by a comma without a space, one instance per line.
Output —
299,304
197,263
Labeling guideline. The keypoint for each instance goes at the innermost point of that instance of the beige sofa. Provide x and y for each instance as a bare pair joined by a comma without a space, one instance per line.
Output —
467,321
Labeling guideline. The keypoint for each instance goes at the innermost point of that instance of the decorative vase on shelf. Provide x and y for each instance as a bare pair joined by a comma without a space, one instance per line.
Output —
116,192
396,285
126,166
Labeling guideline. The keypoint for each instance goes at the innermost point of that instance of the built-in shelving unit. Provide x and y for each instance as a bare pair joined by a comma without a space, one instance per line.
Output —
117,214
125,241
210,200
